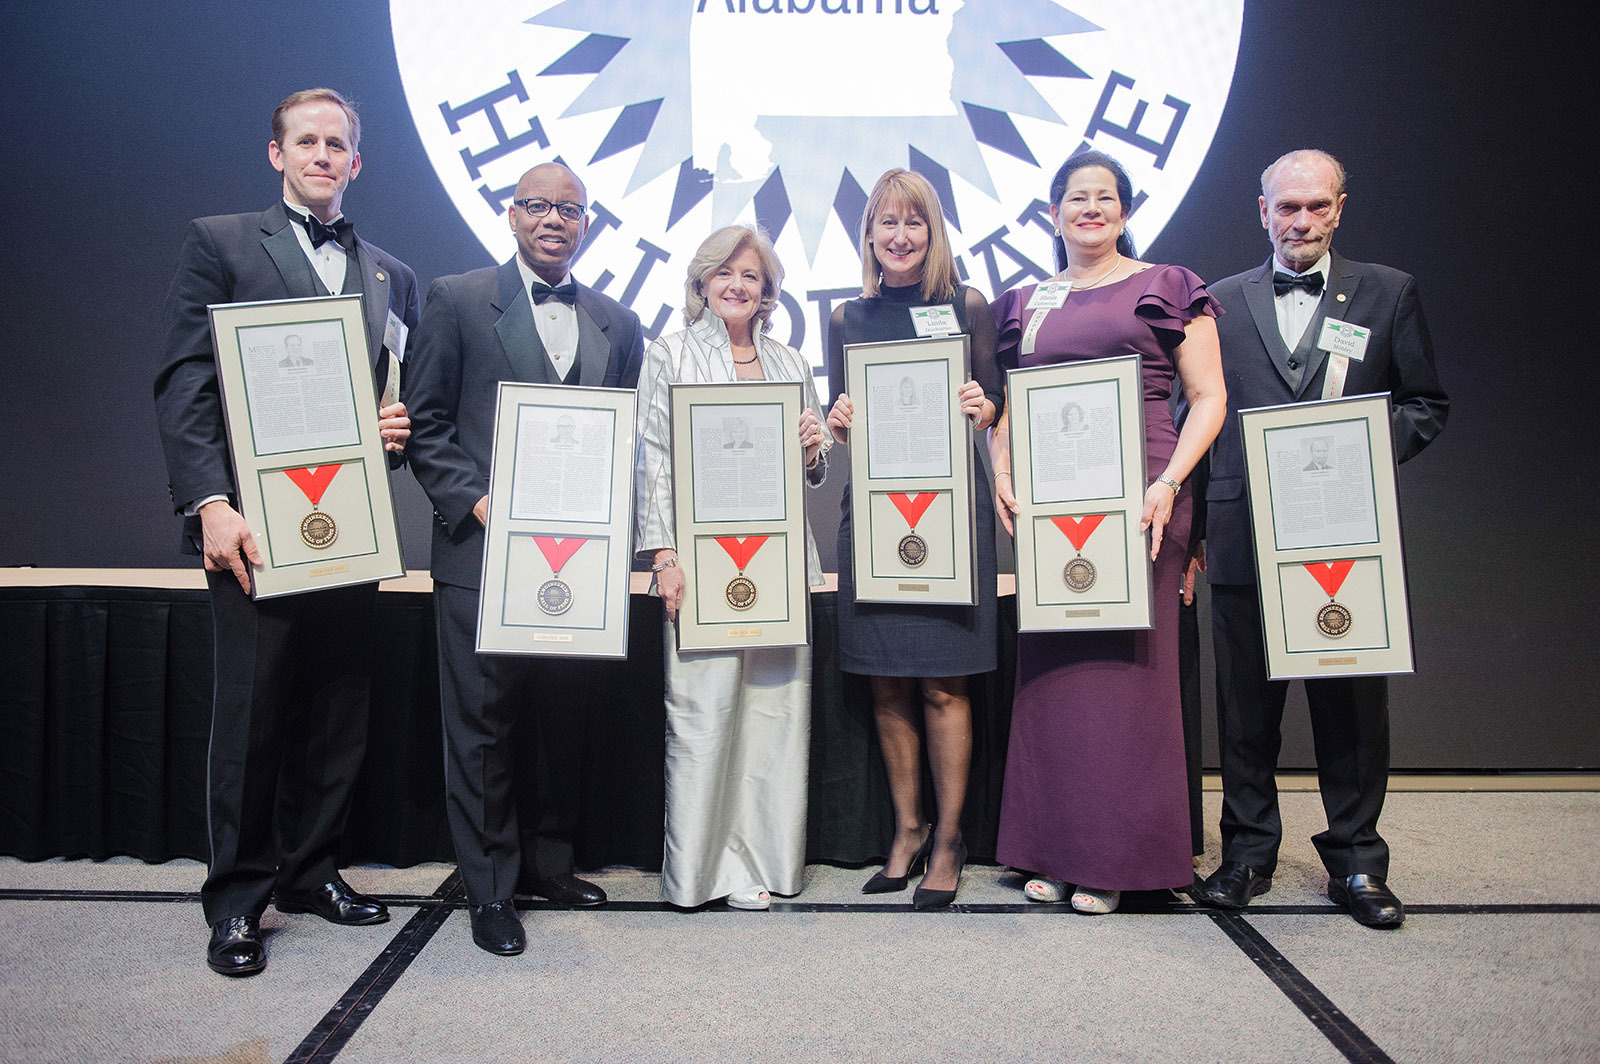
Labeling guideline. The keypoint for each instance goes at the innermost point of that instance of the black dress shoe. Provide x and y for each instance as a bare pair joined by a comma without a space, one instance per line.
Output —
1232,886
336,902
236,947
882,884
497,928
924,898
1368,899
568,889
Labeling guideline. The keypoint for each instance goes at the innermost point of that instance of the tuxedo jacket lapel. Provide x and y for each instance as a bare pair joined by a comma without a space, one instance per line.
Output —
299,281
519,339
375,284
1258,296
1342,281
594,351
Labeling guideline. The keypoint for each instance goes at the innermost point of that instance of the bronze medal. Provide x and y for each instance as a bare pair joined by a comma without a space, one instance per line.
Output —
1079,574
318,530
1333,620
554,597
913,550
741,592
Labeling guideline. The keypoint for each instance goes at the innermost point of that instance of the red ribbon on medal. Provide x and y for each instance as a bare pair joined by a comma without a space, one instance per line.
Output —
910,508
1078,530
313,481
1330,575
558,551
741,550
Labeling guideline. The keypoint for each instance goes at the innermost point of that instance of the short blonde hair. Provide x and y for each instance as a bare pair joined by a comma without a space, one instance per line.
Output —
909,189
715,252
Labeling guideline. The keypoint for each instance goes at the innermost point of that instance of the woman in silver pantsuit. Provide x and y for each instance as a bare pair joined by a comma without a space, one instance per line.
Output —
738,722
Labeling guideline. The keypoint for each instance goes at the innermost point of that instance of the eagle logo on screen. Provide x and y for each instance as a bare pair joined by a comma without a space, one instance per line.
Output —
685,115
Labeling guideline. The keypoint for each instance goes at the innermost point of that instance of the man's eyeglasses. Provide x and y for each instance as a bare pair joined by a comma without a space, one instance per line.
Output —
538,208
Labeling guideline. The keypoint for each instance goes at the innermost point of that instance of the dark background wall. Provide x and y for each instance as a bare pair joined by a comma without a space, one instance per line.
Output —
1462,136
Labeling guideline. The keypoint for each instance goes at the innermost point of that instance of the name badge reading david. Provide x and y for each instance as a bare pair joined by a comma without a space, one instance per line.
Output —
935,321
1050,295
1342,338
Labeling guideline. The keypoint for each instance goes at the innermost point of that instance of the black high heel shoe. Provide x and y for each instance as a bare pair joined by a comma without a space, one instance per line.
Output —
928,898
882,884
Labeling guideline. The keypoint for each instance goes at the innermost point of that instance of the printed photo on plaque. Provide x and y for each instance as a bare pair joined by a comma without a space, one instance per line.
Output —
739,455
908,417
563,463
1075,437
302,419
1326,521
556,557
298,386
1078,472
739,514
911,471
1321,478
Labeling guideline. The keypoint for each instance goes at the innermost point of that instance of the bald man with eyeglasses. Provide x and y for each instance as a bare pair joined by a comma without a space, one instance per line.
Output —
525,320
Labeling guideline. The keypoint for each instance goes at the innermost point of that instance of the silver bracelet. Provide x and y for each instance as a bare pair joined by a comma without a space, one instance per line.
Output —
668,564
1169,482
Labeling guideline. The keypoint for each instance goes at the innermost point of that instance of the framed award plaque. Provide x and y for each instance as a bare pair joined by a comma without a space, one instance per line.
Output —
738,474
1078,471
1326,518
557,548
302,422
911,471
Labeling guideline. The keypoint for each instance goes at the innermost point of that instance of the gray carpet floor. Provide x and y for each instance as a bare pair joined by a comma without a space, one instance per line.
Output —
1499,960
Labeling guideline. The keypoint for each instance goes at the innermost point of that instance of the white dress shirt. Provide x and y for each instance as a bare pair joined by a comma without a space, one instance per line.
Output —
556,322
1297,307
329,259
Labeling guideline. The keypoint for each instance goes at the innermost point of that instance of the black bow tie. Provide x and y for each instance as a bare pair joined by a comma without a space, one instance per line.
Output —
565,293
340,231
1287,282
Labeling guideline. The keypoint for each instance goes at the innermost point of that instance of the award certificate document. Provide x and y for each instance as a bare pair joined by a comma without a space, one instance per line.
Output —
1326,519
556,548
1078,471
302,419
911,471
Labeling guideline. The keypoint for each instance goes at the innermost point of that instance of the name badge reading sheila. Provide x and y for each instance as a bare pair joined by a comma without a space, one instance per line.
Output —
1342,338
935,321
1050,295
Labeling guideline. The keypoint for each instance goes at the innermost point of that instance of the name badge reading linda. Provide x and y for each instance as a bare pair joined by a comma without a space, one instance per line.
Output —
1342,338
1050,295
935,321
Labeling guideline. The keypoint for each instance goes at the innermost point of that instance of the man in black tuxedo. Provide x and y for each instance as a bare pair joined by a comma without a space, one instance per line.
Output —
525,320
1271,355
289,718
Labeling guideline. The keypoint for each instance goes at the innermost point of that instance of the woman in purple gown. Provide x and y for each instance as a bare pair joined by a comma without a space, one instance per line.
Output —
1095,790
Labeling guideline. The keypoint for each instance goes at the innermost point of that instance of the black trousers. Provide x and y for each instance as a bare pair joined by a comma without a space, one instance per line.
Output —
288,735
1350,731
513,738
